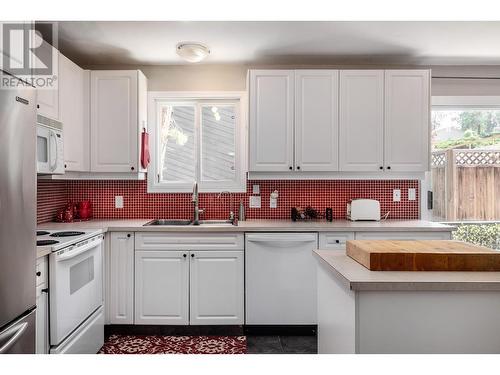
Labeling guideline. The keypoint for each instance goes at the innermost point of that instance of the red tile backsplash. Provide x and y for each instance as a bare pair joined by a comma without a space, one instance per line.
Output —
139,204
51,197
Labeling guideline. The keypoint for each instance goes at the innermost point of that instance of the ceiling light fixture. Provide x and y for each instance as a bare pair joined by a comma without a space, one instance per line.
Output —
192,52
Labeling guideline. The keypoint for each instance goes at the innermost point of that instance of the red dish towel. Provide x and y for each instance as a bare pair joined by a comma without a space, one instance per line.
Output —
145,158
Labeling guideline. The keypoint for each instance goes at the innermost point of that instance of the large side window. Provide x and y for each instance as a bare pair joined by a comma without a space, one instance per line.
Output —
465,167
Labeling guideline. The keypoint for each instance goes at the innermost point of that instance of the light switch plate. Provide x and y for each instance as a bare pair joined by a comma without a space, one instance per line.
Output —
254,201
396,195
118,201
412,194
255,189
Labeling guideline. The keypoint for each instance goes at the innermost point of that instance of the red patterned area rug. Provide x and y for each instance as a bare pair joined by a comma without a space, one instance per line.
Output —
139,344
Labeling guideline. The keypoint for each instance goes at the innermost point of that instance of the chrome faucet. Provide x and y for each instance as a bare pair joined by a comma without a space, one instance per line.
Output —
197,211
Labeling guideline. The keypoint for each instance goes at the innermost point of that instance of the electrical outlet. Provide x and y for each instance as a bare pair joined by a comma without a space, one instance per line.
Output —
273,203
396,195
255,189
254,201
118,201
412,194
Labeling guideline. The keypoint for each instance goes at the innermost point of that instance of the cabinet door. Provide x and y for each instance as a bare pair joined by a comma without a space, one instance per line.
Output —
47,98
316,120
72,113
216,285
42,320
121,278
361,128
113,121
161,287
271,120
407,120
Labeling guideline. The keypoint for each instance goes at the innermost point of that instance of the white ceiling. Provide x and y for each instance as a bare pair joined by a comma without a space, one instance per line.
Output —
153,43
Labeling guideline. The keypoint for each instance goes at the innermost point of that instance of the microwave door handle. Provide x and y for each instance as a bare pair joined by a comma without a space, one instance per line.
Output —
52,150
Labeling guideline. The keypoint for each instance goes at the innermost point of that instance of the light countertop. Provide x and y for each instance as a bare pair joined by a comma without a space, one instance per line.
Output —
137,225
117,225
356,277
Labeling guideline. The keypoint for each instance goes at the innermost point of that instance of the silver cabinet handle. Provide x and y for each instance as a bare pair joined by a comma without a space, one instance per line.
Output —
14,332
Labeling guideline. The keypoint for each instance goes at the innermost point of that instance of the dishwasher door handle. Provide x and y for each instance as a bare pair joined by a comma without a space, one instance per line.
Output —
280,239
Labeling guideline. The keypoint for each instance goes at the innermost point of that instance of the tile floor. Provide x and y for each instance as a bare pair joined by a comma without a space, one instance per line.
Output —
282,345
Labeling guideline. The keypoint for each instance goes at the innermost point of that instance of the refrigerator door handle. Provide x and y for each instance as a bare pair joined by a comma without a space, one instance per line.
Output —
11,335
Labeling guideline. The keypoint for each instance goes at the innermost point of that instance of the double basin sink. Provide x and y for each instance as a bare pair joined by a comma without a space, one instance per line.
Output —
175,222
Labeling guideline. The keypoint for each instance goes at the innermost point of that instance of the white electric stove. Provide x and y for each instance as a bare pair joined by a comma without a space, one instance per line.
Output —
75,289
54,240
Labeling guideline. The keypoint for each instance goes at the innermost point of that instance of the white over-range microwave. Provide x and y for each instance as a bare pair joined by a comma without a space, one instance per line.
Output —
49,146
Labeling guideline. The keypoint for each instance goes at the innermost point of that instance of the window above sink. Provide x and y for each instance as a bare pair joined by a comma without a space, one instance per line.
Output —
197,137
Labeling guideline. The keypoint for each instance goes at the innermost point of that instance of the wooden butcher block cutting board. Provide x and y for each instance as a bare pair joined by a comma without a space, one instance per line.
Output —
424,255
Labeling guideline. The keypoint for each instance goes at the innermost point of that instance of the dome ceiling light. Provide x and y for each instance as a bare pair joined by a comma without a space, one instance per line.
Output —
192,52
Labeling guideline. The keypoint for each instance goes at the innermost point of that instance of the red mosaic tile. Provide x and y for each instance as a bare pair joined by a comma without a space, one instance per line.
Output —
319,194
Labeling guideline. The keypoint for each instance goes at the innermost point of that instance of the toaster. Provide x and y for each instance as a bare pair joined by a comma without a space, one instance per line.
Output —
363,209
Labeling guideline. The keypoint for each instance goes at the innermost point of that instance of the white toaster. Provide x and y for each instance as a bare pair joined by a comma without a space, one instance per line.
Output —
363,209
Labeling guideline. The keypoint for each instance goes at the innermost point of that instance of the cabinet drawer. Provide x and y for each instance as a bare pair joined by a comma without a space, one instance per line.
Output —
403,235
188,241
42,270
334,240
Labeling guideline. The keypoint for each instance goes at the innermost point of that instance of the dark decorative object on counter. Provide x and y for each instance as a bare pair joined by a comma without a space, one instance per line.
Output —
329,214
303,214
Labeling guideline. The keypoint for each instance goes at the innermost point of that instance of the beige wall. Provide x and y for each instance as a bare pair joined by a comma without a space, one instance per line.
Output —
233,77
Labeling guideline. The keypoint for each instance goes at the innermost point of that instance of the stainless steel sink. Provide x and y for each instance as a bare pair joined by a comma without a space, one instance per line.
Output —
179,222
216,222
168,222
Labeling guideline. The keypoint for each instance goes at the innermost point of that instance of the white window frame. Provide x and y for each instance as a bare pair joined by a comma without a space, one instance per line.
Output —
451,103
239,184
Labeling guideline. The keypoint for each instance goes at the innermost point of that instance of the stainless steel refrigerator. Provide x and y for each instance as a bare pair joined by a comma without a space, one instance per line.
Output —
17,218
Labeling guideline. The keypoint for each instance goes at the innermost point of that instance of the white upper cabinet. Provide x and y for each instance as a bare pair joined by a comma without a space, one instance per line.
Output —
407,120
271,120
47,99
116,120
355,121
73,113
316,120
361,132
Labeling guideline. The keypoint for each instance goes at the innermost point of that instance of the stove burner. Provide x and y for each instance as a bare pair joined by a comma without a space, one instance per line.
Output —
46,242
66,234
41,232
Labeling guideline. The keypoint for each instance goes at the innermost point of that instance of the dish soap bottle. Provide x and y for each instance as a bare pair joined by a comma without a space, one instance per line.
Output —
241,212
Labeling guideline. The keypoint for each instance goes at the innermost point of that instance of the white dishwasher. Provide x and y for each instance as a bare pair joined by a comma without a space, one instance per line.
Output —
280,278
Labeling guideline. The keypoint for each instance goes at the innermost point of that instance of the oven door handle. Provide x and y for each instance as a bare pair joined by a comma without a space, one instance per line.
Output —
78,251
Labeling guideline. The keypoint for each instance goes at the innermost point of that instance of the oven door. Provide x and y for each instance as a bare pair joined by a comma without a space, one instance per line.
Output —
75,286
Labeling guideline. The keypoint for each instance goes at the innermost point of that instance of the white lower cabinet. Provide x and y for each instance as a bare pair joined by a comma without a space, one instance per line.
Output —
338,240
216,287
200,283
161,287
121,278
42,307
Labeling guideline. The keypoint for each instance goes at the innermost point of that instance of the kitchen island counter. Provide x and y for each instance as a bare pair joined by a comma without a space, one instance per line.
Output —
363,311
